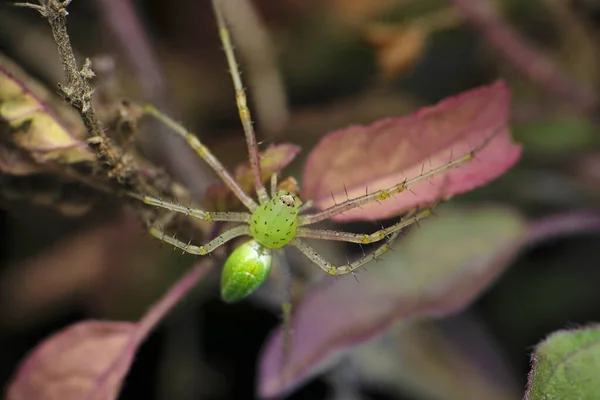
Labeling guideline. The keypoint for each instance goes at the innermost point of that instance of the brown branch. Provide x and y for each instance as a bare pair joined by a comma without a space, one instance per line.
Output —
523,55
78,90
125,171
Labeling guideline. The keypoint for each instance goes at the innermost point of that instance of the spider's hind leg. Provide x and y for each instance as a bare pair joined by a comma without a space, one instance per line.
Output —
241,103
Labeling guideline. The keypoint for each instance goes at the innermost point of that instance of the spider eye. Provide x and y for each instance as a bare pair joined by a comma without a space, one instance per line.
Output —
288,200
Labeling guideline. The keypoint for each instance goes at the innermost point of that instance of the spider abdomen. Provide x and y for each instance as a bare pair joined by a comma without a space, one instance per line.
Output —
274,223
245,270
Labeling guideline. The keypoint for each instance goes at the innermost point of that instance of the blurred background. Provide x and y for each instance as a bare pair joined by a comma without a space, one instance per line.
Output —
310,67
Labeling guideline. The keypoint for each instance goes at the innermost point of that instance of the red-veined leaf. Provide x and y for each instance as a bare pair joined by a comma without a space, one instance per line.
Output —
351,161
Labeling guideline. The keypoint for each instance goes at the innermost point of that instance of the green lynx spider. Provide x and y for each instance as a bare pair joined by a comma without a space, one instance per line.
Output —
275,220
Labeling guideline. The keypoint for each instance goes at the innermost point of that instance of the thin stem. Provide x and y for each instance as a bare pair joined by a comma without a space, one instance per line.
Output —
208,247
241,102
326,266
175,294
206,155
78,90
104,383
326,234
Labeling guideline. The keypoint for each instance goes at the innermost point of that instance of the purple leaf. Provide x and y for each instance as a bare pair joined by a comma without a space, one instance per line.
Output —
446,360
350,161
436,271
68,365
89,360
272,160
412,281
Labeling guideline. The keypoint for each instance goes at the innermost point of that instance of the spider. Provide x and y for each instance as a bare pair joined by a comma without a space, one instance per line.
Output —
275,219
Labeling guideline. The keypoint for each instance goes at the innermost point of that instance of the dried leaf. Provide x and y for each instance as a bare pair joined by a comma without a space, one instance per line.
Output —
349,162
33,128
15,162
565,366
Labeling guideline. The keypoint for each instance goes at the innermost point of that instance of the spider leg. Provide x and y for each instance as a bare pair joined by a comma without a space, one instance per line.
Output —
326,266
240,100
394,190
204,249
194,212
363,238
206,155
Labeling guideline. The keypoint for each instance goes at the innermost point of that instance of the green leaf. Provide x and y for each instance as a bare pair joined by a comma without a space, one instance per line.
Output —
566,366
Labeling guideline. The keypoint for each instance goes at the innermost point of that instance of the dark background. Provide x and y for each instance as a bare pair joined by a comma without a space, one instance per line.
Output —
332,78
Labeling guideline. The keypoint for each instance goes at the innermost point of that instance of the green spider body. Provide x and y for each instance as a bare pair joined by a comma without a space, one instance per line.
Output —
273,225
273,220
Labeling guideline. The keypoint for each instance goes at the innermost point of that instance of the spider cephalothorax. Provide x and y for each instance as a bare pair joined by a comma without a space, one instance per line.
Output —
273,224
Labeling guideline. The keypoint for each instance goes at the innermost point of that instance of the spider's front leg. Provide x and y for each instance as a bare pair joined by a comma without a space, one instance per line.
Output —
194,212
205,154
204,249
241,102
